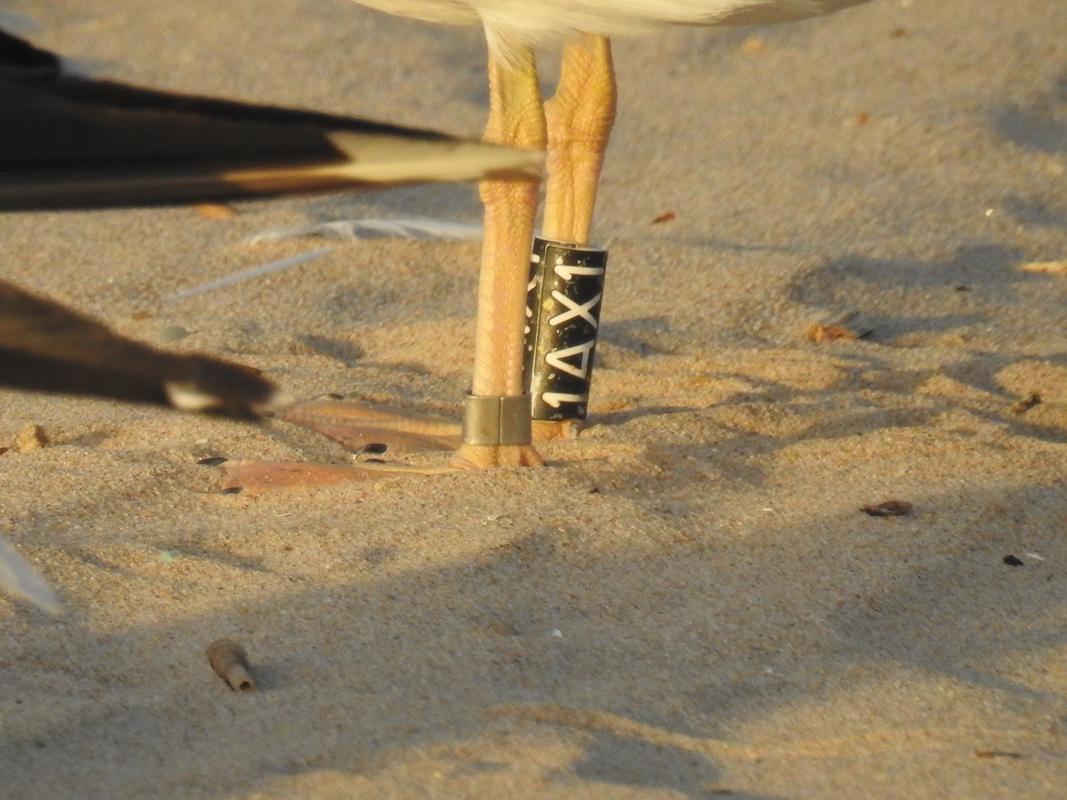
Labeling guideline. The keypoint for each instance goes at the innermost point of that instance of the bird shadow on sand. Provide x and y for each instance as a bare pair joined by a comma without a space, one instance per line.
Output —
643,663
1046,212
978,266
1040,125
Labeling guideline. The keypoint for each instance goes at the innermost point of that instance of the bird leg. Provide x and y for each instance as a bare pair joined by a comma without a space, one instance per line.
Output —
579,117
516,118
576,131
496,430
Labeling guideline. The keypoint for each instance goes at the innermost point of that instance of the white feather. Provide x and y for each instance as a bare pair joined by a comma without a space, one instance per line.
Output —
245,275
356,229
17,577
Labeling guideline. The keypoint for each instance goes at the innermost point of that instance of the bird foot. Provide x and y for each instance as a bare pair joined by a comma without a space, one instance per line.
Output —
552,430
479,456
371,429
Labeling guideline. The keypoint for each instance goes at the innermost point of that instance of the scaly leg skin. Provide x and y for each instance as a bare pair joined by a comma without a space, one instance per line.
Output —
579,117
516,118
578,125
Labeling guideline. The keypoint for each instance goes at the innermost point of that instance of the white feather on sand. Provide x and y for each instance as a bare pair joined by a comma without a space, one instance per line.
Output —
18,578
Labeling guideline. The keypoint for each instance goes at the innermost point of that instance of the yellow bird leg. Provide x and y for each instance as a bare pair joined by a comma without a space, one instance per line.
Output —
516,118
580,117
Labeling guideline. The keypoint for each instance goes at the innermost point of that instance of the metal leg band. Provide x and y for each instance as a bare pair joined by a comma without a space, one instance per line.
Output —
562,319
496,420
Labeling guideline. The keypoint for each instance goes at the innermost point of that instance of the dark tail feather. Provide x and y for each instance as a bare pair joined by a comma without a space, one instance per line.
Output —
71,142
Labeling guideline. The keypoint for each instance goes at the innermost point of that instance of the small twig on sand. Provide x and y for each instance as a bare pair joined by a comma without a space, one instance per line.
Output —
230,662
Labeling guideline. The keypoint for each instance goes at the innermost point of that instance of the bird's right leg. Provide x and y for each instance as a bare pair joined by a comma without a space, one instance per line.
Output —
517,119
496,431
580,117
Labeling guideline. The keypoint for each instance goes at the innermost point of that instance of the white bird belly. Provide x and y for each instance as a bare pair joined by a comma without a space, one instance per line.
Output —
532,21
445,12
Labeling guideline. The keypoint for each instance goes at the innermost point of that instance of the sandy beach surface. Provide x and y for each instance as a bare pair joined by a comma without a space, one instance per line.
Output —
688,602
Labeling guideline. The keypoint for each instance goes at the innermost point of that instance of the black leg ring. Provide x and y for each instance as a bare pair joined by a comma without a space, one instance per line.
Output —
562,319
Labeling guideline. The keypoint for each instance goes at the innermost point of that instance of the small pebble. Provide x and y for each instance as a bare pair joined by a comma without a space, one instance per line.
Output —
820,333
1013,561
30,438
753,45
501,628
172,333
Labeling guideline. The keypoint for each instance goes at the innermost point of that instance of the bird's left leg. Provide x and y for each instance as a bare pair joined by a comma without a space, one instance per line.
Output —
580,117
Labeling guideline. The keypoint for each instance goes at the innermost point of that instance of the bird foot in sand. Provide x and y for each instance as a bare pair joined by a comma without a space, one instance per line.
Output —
552,430
379,430
478,456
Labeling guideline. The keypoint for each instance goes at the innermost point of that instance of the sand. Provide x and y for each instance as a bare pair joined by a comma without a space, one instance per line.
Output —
689,601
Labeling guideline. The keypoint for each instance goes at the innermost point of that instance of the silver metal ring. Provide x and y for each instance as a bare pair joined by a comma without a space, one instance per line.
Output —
496,420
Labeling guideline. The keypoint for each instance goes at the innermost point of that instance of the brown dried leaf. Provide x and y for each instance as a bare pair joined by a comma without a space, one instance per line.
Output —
889,508
666,216
365,427
1028,402
753,45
